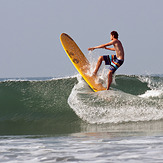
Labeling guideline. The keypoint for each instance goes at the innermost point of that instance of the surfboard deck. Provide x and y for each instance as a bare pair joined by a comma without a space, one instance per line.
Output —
80,61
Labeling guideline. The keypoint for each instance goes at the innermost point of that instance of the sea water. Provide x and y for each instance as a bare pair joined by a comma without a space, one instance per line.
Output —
63,120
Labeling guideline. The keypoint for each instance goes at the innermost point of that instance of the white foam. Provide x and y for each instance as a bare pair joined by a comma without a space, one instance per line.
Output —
152,93
112,106
153,82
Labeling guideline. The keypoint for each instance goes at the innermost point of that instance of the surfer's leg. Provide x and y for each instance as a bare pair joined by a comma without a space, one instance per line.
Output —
100,59
109,79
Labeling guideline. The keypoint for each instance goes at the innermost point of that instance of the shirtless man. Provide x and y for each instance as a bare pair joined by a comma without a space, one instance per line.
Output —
115,61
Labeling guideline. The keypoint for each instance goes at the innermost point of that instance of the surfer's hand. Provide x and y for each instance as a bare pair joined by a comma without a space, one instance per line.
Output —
91,49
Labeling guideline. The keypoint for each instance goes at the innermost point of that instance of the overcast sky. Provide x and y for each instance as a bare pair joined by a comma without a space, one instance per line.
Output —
30,34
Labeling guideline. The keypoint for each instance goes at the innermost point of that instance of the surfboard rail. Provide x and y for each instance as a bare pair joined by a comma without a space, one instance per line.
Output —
80,62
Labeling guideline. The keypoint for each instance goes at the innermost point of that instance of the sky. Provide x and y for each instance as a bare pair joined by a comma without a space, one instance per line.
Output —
30,34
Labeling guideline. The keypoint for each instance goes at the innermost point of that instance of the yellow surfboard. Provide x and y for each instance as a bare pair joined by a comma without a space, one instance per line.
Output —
79,61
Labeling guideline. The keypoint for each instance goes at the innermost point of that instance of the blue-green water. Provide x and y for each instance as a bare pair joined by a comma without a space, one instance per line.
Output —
63,120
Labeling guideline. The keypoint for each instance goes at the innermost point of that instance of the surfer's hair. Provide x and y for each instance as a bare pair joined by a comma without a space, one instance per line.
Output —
115,33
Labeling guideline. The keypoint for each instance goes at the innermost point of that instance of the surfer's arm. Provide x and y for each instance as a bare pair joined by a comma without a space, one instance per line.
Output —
96,47
102,46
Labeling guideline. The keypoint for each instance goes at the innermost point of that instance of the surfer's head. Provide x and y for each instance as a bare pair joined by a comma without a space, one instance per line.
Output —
114,34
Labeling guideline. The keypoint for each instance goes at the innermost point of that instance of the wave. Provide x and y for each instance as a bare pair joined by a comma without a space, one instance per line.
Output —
61,105
131,98
37,106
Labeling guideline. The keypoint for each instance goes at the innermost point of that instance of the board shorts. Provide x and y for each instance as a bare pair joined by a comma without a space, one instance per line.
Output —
113,61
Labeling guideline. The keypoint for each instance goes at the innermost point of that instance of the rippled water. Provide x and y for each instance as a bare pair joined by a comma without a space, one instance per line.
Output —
82,147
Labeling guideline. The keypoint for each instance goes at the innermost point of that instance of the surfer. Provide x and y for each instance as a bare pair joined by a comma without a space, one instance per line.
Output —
115,61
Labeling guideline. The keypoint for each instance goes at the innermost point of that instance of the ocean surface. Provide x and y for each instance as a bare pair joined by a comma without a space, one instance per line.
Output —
62,120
